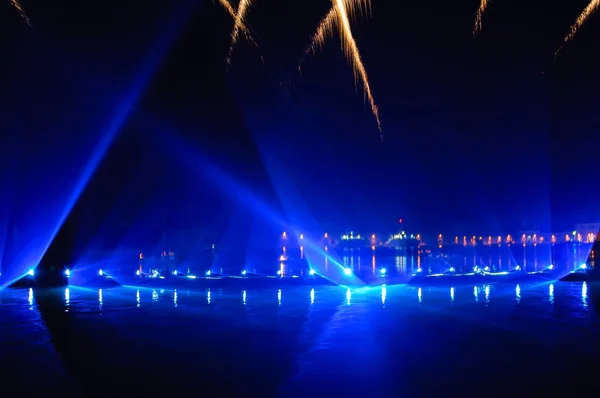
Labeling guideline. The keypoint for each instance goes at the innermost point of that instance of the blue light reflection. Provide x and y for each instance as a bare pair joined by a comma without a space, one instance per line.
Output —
30,298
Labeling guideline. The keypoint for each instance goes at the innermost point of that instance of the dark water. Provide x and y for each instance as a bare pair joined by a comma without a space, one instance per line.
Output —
326,341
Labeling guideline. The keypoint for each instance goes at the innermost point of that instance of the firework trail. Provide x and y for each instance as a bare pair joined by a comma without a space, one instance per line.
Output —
243,27
479,18
240,25
16,4
585,15
339,17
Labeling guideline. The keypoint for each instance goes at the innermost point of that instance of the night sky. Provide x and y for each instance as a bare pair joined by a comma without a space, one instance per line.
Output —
486,135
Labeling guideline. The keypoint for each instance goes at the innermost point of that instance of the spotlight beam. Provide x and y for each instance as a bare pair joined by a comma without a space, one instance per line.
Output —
162,46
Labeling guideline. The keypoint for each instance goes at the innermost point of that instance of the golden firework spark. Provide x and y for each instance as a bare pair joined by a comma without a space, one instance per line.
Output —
16,4
479,18
339,17
243,27
585,15
240,25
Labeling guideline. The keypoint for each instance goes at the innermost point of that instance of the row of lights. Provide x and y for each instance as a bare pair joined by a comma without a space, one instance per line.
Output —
31,272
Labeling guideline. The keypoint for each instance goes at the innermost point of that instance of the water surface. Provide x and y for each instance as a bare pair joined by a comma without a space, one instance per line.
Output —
304,341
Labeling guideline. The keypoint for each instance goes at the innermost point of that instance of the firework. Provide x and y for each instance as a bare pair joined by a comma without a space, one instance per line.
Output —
16,4
243,28
240,25
479,17
585,15
339,17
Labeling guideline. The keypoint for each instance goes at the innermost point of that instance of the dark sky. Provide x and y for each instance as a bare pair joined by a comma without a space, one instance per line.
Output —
485,135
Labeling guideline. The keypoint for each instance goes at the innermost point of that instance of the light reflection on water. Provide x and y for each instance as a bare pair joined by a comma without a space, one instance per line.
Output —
347,296
330,320
67,299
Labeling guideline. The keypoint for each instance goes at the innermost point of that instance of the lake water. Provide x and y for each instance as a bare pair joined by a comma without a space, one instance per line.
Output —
295,342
